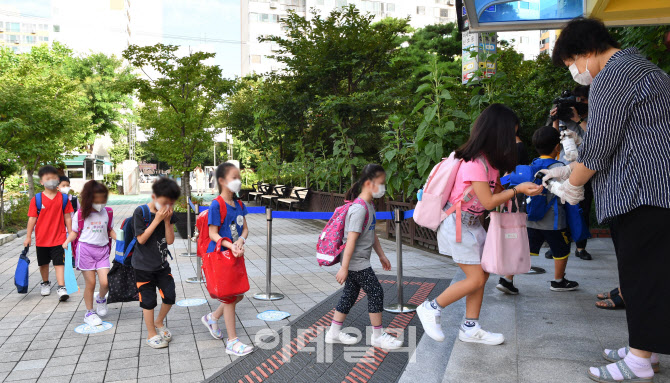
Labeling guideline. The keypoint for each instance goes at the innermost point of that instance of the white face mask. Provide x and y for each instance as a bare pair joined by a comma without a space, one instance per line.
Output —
234,186
380,192
99,206
65,189
583,78
157,205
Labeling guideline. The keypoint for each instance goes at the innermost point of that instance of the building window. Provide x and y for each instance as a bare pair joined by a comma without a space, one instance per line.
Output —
263,18
2,26
444,12
340,3
390,7
420,10
29,39
74,173
13,27
13,39
255,59
319,2
56,28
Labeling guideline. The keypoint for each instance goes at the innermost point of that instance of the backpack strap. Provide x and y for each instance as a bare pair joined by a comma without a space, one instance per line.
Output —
223,209
110,218
65,201
146,214
359,201
38,203
457,206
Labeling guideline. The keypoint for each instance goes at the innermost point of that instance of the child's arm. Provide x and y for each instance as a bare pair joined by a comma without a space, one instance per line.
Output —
490,200
29,234
214,236
68,222
386,264
112,234
71,237
169,227
341,275
160,216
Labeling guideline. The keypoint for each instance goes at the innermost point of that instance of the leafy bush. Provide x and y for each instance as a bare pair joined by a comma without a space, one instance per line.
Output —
16,216
181,205
17,183
111,179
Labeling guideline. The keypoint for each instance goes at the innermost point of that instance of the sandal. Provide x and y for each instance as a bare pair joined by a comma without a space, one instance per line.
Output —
608,295
604,375
616,302
237,348
212,326
613,356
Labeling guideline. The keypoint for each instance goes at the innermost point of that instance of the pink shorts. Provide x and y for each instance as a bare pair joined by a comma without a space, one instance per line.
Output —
92,257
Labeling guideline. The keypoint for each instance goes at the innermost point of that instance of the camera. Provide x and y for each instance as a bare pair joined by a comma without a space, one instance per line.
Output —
564,103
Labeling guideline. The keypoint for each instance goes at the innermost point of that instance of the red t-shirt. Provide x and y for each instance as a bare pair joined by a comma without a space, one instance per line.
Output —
49,227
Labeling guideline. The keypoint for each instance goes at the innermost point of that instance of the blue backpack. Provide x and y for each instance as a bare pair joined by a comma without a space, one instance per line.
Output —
38,202
21,273
124,249
537,206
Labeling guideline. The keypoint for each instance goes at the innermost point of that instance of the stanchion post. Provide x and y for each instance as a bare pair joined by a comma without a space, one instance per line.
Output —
400,307
188,230
268,295
198,263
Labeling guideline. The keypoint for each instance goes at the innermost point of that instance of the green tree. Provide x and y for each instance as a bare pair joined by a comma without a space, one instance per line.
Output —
650,41
8,167
179,112
43,112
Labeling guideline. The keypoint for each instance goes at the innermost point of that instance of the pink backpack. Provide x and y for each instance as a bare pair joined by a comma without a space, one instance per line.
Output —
330,244
80,226
435,194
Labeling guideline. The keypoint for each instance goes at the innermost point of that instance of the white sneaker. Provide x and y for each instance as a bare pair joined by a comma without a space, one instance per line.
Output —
387,342
479,335
157,342
92,319
342,337
45,288
101,308
430,320
62,294
164,333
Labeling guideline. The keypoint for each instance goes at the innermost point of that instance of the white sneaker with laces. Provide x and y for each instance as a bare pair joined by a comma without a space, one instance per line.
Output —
387,342
45,288
430,320
92,319
157,342
101,308
479,335
342,337
62,294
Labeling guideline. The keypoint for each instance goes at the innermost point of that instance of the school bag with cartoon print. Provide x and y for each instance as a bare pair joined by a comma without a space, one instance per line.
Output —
331,244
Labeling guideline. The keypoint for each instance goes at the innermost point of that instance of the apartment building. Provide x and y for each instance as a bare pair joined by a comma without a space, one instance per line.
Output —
263,17
20,33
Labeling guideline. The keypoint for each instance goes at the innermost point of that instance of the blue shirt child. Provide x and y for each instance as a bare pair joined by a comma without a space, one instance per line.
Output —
232,225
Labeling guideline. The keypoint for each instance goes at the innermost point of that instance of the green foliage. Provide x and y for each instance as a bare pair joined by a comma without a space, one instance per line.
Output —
8,167
119,152
16,216
111,179
179,112
650,41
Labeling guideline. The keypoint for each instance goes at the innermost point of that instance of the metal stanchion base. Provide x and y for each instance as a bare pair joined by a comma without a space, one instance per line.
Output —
188,255
536,270
269,297
399,309
195,280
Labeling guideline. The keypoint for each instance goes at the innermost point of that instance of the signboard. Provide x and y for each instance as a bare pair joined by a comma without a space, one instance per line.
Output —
473,42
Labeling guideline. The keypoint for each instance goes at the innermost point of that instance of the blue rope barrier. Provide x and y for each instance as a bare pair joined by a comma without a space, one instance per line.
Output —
192,205
301,214
384,215
256,209
408,214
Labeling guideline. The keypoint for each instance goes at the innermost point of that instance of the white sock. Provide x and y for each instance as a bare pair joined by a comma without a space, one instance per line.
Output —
508,280
640,367
470,324
622,355
376,331
335,328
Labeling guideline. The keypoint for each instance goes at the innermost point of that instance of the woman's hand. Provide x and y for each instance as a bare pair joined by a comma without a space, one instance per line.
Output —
559,173
386,264
342,275
571,134
529,188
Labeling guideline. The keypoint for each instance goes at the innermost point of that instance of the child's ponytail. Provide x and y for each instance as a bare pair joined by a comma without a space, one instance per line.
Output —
369,172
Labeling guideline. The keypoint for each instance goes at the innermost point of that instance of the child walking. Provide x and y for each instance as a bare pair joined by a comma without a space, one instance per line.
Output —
152,270
48,214
491,149
93,246
551,228
234,230
356,271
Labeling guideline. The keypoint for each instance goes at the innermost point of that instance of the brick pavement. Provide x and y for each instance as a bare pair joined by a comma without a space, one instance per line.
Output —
38,342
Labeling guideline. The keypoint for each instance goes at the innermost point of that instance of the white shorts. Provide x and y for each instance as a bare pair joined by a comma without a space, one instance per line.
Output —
469,250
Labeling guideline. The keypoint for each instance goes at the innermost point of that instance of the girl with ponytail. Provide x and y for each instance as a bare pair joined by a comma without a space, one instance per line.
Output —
356,271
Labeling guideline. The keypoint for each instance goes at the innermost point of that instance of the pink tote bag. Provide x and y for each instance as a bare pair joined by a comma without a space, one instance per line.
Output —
506,251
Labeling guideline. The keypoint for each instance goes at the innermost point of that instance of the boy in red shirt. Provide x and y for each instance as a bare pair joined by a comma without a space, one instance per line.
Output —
48,221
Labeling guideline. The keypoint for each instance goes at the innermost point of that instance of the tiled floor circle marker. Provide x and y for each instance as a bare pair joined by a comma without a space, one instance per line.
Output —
88,329
191,302
272,315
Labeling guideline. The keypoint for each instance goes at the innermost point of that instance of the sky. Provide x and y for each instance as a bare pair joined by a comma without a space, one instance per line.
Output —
210,25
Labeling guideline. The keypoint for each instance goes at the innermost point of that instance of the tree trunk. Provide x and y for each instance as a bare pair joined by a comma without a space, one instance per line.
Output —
186,184
2,206
31,183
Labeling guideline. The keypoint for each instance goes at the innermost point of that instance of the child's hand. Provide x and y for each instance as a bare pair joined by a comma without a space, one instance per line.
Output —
26,242
65,244
168,214
162,213
386,264
342,275
529,188
240,245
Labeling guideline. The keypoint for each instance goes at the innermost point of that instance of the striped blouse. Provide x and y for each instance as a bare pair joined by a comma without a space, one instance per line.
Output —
627,139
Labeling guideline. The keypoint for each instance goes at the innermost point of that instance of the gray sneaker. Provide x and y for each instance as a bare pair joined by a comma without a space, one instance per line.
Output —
45,288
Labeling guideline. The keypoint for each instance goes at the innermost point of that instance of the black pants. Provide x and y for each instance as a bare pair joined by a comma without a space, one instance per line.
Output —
148,281
641,243
367,280
585,204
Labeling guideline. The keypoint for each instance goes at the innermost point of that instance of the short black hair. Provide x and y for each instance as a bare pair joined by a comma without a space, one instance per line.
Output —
581,36
545,140
63,179
165,187
582,91
46,169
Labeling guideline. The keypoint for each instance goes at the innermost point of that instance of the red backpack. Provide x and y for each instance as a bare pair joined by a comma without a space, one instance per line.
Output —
202,225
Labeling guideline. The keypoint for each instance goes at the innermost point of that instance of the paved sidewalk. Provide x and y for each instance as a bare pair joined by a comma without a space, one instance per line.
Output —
37,341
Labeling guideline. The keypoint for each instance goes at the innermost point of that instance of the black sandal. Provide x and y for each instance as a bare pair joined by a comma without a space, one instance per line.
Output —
616,302
608,295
